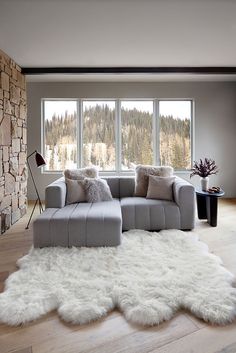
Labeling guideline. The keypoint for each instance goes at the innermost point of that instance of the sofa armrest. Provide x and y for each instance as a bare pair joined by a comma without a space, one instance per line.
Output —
55,194
184,195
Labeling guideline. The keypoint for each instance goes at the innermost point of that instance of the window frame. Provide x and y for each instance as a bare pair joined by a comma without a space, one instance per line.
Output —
118,137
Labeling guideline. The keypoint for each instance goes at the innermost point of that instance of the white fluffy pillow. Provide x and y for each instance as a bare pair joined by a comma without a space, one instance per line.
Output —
97,190
80,174
160,188
75,191
142,173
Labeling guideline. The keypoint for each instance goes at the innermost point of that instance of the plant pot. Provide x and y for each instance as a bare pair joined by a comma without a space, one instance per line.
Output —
205,183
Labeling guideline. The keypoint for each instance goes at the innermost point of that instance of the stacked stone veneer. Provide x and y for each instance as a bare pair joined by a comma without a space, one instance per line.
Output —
13,172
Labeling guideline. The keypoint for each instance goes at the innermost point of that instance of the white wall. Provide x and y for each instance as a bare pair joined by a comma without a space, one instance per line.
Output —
215,119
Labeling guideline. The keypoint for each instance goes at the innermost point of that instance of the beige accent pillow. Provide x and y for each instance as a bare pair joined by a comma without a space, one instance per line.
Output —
75,191
160,188
142,173
80,174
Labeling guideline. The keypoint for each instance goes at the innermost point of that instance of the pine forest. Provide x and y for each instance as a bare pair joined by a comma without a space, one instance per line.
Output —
99,136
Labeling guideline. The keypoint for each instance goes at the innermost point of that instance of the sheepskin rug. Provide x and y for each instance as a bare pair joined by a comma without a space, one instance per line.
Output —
149,277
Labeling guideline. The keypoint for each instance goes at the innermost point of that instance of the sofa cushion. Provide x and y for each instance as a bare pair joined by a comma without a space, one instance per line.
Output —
81,224
148,214
142,173
114,185
121,186
127,185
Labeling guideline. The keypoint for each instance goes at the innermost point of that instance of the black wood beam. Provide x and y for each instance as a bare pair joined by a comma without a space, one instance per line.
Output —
197,70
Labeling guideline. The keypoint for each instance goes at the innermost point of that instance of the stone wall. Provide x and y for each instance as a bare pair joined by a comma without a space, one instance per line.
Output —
13,144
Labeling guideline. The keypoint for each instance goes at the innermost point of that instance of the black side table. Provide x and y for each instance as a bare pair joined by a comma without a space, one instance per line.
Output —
207,205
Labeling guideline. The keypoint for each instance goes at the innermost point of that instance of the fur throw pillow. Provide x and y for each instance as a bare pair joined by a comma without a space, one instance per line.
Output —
97,190
142,173
80,174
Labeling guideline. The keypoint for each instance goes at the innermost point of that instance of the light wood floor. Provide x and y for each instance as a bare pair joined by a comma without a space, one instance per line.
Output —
182,334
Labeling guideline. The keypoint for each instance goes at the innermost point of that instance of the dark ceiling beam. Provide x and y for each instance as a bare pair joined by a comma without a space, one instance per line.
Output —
197,70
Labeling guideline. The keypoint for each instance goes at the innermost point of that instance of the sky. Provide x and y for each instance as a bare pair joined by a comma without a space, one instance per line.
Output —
178,109
87,104
142,106
58,107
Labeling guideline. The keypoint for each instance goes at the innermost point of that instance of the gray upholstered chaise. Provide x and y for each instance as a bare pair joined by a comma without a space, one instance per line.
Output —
101,223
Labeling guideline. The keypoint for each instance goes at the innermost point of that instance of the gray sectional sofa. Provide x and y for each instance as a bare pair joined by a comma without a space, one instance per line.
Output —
101,223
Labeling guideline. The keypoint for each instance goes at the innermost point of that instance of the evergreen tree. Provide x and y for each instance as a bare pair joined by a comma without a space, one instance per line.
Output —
99,138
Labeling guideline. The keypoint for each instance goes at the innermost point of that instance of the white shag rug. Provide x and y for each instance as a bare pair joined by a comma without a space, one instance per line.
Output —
149,277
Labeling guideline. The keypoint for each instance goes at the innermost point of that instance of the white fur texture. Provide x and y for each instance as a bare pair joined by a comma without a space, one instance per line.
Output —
149,277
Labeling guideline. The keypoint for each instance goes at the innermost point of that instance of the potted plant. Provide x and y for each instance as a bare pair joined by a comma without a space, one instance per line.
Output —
204,168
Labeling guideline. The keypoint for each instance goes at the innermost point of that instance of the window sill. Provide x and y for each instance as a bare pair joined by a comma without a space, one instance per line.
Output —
125,173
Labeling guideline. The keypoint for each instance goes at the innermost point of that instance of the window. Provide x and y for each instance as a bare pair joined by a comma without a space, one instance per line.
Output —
99,145
136,133
175,133
116,135
60,134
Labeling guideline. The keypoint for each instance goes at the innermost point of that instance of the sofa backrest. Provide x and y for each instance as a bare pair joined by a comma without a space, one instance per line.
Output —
127,185
121,186
55,193
114,185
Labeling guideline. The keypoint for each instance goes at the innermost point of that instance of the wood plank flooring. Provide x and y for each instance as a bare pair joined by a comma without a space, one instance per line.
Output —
113,334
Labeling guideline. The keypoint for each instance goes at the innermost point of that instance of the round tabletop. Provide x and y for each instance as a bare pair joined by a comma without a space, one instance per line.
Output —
199,191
